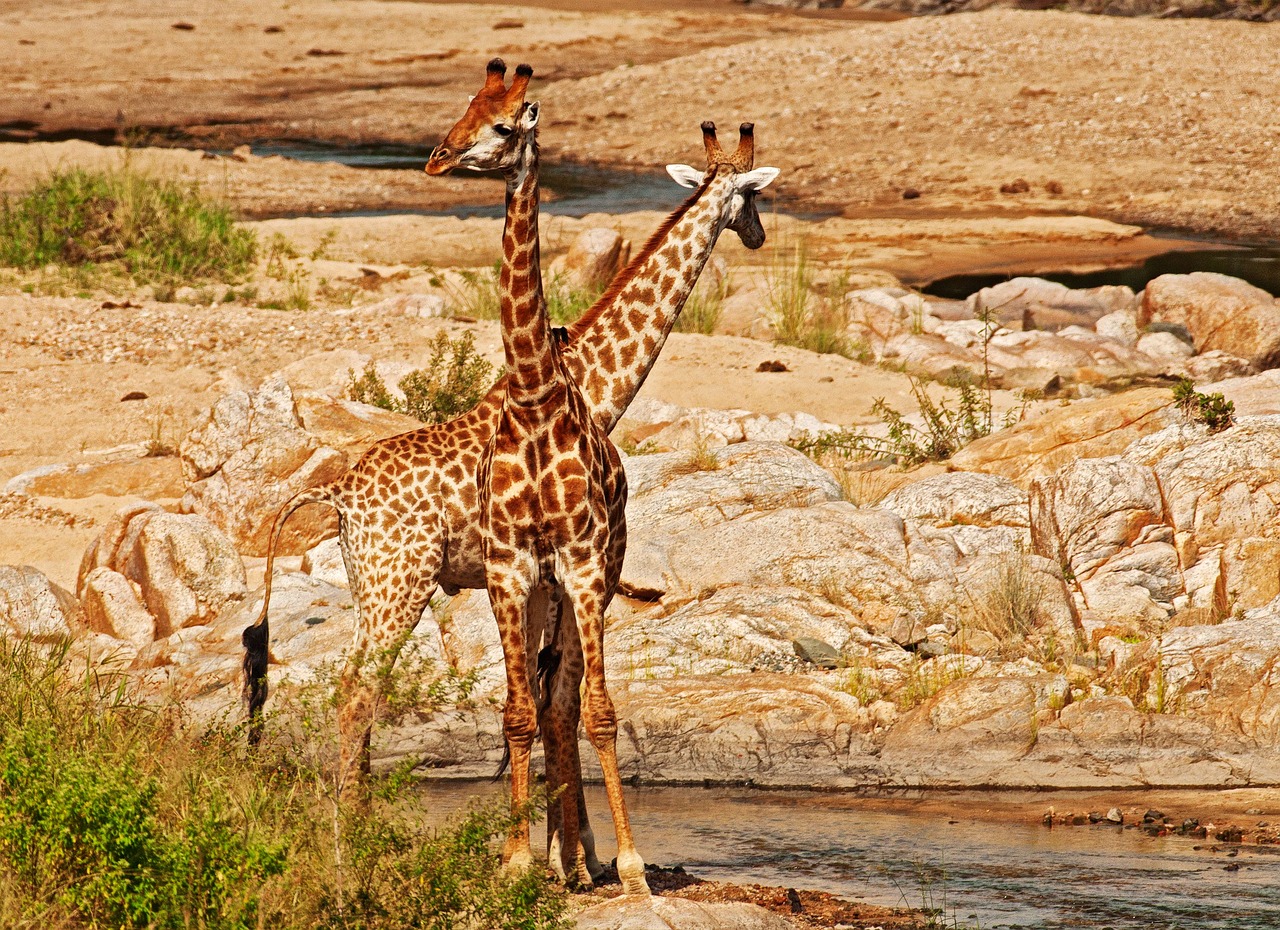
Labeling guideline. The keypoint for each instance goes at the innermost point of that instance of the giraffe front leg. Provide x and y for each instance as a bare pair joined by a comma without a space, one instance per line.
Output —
601,721
509,596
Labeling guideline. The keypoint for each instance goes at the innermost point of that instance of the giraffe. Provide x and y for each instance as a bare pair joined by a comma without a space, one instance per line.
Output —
408,513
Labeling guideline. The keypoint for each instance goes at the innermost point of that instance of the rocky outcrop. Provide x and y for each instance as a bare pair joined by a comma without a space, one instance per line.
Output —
247,456
1220,312
1034,303
182,568
1085,429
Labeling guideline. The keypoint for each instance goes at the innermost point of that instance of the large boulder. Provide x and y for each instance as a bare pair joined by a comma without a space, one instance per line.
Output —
1220,312
112,605
246,457
595,257
33,607
981,513
184,569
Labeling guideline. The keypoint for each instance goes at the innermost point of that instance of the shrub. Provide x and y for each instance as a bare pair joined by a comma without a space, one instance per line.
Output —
116,815
1213,410
947,425
154,229
455,379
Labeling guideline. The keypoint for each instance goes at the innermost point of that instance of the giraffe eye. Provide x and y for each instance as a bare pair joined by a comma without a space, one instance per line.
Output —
502,129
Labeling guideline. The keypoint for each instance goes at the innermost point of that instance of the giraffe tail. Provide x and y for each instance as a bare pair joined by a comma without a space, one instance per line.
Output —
256,637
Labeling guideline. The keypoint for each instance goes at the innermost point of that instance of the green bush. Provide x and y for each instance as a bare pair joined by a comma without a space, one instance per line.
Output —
154,229
946,427
701,313
454,381
116,815
1213,410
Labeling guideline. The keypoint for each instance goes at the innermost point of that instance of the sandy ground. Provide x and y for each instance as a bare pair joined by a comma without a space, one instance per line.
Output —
1170,123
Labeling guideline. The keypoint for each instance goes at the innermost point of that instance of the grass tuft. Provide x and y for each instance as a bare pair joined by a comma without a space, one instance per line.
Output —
153,229
807,315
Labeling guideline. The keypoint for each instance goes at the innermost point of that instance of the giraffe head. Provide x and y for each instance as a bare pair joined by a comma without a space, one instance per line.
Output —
491,135
733,177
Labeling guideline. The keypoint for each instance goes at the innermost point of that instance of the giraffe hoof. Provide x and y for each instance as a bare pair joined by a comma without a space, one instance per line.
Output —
521,860
631,874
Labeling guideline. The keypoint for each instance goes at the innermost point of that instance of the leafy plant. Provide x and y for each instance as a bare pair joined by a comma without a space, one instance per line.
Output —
454,380
114,814
1213,410
120,220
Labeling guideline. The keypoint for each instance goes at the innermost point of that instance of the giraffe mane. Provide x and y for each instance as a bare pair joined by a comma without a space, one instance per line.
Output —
627,274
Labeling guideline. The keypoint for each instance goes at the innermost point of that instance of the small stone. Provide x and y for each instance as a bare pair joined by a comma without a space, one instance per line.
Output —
910,194
772,366
134,395
1114,816
1153,816
816,652
1018,186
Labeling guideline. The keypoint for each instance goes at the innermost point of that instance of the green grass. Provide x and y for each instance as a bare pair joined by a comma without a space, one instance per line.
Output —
118,815
154,230
807,315
479,296
701,313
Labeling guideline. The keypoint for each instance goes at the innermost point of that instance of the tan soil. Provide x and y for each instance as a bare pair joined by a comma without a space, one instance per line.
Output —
1158,122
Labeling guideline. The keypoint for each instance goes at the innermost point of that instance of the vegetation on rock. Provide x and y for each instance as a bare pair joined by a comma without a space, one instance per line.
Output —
1213,410
453,381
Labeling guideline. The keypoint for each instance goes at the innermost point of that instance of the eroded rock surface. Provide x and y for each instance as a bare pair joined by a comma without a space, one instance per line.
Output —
247,457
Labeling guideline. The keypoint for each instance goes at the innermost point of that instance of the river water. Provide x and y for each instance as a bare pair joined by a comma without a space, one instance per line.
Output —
980,872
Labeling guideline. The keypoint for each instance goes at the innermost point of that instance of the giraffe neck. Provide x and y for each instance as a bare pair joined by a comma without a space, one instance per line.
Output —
526,334
617,341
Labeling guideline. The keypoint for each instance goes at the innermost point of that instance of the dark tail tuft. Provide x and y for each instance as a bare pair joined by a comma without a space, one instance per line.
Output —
257,636
255,639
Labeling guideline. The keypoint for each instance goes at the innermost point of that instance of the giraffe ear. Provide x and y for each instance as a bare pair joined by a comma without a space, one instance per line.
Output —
686,176
756,180
529,118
